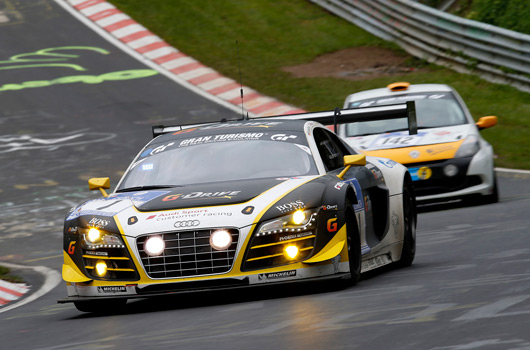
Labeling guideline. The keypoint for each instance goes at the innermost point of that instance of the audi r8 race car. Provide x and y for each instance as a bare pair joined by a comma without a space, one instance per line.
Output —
447,158
238,204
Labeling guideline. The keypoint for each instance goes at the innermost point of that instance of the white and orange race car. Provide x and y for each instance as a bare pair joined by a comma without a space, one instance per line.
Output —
447,158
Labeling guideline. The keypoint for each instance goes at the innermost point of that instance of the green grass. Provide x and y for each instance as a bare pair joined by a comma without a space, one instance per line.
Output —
4,275
276,34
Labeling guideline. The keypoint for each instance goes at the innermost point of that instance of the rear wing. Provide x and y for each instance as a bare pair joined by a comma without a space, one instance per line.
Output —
345,116
338,116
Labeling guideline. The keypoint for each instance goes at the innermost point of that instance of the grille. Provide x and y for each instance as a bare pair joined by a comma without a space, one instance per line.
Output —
188,253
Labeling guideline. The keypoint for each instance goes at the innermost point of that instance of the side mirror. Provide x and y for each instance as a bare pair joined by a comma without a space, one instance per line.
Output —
350,160
99,183
486,122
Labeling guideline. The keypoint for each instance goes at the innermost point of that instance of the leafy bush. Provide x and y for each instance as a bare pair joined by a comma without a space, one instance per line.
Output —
511,14
508,14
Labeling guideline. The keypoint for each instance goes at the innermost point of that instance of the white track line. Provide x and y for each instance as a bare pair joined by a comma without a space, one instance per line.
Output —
52,279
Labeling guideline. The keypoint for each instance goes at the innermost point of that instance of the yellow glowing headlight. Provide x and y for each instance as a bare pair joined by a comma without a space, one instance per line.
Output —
291,251
298,217
93,235
101,268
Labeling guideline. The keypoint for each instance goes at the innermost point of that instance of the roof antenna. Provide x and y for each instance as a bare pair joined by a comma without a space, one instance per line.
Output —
240,83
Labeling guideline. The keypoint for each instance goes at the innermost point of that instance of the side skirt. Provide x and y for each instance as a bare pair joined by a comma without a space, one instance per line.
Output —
376,262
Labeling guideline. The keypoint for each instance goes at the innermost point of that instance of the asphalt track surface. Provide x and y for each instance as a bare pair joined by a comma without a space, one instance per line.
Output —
469,287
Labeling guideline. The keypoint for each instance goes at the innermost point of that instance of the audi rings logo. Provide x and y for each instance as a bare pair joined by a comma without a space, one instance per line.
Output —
187,223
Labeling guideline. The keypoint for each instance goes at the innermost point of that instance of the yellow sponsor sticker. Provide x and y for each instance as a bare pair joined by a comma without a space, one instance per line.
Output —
424,173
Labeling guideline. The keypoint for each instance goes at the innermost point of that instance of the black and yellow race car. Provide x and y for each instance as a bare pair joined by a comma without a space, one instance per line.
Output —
238,204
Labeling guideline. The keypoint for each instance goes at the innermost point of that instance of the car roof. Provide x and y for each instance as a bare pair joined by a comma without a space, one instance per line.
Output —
416,88
257,125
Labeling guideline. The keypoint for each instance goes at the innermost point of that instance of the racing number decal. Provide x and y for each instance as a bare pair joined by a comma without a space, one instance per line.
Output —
389,141
332,225
399,140
71,248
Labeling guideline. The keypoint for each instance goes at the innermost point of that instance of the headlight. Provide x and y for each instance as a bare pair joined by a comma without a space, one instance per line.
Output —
101,268
95,239
450,170
285,240
220,239
300,220
93,235
291,251
469,147
154,246
298,217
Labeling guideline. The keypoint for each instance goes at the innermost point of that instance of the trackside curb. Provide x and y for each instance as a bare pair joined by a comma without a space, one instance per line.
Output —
10,292
51,279
517,171
136,40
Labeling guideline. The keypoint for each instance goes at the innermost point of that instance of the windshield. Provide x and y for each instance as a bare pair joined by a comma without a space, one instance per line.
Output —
433,110
219,161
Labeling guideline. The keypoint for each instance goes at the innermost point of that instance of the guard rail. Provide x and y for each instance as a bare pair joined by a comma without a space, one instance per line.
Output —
496,54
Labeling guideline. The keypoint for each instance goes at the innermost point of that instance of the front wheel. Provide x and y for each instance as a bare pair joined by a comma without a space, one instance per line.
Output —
494,196
409,225
354,247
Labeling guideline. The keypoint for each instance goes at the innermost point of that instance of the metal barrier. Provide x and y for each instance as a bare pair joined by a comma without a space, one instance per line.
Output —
496,54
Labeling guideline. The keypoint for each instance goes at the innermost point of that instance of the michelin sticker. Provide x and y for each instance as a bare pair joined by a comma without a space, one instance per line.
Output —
112,289
276,275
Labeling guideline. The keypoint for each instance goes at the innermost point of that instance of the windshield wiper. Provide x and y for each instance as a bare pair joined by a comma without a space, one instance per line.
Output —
143,188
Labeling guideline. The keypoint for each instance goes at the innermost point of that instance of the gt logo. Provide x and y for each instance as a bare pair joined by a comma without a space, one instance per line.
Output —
332,225
161,148
282,137
71,248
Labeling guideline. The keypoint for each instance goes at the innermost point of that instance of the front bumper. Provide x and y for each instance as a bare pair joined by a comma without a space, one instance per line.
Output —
88,291
474,175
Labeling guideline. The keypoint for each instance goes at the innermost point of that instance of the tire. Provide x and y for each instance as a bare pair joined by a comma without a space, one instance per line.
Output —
409,225
354,246
100,306
494,197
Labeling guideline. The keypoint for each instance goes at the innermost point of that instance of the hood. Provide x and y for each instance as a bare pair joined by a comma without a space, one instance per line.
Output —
255,201
210,194
446,134
200,195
